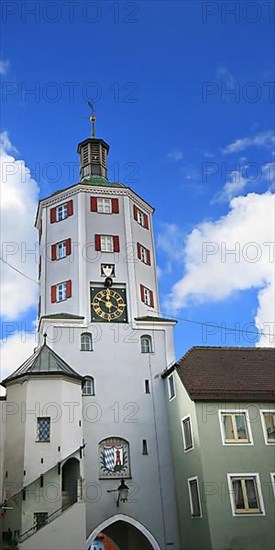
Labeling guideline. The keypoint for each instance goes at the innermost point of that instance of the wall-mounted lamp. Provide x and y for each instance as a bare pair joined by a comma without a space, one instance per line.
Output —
123,492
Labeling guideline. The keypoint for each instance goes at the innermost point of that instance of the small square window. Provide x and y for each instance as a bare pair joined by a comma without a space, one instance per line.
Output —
107,270
187,434
106,243
104,206
43,429
194,497
171,387
235,427
245,494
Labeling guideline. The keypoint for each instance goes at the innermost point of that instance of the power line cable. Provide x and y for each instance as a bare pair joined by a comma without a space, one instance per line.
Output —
18,271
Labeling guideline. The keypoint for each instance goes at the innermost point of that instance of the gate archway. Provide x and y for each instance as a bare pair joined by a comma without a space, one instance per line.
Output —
126,532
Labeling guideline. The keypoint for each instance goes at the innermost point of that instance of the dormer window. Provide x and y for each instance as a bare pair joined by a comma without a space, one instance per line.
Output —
88,386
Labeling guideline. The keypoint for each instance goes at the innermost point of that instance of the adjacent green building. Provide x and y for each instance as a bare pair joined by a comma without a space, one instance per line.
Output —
222,423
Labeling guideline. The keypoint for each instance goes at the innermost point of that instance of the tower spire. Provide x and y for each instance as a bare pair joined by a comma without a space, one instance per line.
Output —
92,118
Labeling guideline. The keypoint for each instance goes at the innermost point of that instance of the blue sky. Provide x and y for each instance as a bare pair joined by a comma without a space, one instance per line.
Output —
158,74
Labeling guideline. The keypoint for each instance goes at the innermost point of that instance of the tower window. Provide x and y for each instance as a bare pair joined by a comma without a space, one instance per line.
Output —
141,217
147,296
61,212
143,254
88,386
86,342
43,429
104,206
107,243
146,344
61,291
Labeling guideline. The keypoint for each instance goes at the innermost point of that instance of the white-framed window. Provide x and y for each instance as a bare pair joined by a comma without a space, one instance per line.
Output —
62,212
235,427
106,243
43,428
245,494
194,497
61,250
272,475
140,217
143,254
86,342
61,293
268,424
88,386
187,433
104,206
146,344
171,386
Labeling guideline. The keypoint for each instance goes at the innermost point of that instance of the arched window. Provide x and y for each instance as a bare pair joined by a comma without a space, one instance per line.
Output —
146,344
88,386
86,342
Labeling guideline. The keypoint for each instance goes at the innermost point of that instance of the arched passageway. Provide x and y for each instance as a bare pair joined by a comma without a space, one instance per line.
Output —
122,533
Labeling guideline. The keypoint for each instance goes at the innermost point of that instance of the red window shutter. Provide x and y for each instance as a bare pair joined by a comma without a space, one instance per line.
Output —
39,306
139,251
53,294
97,242
70,208
39,268
68,288
135,212
53,254
116,243
146,221
115,206
68,247
148,257
142,293
53,215
93,204
151,298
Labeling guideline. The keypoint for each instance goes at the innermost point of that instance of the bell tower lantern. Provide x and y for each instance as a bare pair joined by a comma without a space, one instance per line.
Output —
93,155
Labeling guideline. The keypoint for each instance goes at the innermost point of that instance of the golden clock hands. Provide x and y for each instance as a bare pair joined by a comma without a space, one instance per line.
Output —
108,293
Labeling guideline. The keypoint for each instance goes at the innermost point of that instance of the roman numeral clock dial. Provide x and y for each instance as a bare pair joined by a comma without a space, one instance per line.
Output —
108,305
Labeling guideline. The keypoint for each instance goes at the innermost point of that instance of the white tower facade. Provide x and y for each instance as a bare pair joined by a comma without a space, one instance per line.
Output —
99,307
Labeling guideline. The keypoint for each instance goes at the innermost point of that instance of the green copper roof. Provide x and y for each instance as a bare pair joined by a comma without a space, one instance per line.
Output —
43,361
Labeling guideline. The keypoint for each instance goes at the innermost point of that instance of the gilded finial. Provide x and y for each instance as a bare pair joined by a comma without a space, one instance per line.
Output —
92,118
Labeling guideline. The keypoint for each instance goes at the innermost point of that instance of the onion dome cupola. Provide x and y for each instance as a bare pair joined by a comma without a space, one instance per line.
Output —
93,155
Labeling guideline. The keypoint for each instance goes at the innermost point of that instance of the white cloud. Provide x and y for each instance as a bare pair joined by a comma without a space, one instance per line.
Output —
19,194
211,275
4,65
175,156
224,75
247,175
14,351
263,139
170,241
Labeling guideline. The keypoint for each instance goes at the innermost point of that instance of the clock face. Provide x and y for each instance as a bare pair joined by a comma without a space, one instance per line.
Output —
108,305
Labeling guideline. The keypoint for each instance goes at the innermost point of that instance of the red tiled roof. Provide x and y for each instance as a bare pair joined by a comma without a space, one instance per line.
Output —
232,374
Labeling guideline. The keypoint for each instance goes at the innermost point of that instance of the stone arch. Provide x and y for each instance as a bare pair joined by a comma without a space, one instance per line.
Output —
126,519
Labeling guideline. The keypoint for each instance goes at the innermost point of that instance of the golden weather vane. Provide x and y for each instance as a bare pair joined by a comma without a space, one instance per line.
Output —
92,118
